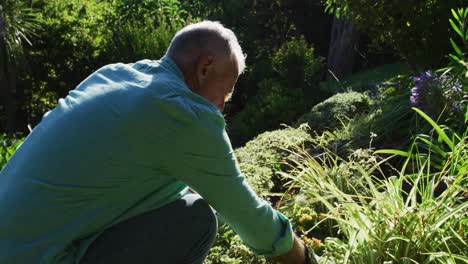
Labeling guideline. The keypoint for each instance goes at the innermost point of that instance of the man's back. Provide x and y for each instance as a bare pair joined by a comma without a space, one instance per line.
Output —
88,164
128,140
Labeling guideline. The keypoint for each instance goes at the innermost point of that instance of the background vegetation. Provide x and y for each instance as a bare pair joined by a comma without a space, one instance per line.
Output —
351,117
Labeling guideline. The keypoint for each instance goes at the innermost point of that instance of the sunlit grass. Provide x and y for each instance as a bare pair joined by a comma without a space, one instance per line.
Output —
417,215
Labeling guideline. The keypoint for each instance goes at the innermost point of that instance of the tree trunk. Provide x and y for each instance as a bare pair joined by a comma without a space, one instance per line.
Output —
343,48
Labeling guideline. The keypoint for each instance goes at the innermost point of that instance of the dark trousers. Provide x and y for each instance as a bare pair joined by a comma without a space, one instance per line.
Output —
181,232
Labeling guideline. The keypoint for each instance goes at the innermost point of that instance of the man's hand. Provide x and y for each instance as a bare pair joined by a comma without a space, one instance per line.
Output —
297,255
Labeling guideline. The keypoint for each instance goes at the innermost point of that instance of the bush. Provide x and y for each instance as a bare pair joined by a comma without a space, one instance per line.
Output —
284,97
329,113
8,146
261,157
69,45
135,40
144,29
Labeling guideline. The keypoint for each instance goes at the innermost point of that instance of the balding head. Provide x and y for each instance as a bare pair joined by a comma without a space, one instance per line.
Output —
210,58
204,38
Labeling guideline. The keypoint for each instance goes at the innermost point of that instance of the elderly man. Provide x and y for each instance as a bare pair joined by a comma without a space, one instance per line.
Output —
105,177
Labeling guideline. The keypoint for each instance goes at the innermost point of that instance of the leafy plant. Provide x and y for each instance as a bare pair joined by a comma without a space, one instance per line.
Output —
459,25
69,46
380,220
18,25
8,146
437,95
439,149
148,38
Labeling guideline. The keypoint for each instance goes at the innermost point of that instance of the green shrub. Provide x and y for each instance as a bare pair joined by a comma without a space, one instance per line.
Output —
72,38
8,146
261,157
144,29
284,97
134,40
69,45
329,113
296,65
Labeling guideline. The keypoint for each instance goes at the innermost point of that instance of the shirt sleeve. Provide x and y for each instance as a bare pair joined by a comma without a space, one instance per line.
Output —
208,165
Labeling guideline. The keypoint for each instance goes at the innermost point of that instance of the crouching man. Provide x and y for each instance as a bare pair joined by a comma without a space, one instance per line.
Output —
105,176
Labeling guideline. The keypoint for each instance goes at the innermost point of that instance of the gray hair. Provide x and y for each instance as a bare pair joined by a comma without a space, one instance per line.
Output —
206,36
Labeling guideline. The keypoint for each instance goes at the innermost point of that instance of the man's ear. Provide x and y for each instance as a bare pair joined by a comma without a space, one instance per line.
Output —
205,66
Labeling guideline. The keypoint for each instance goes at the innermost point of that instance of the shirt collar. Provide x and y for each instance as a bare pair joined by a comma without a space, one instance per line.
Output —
172,67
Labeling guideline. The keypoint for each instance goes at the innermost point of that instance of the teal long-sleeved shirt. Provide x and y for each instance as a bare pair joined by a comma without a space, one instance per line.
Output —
129,139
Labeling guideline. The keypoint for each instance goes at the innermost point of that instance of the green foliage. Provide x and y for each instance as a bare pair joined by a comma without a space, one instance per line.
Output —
296,64
139,10
416,30
230,249
329,113
8,146
89,34
261,157
19,24
384,220
134,40
69,46
459,24
437,147
144,29
260,160
389,122
261,26
284,97
80,33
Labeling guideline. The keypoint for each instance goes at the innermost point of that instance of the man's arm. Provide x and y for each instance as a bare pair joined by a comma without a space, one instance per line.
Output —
207,164
297,254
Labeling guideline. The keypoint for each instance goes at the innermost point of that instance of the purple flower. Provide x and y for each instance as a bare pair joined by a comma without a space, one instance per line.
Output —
424,84
415,91
457,107
428,76
457,87
432,93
